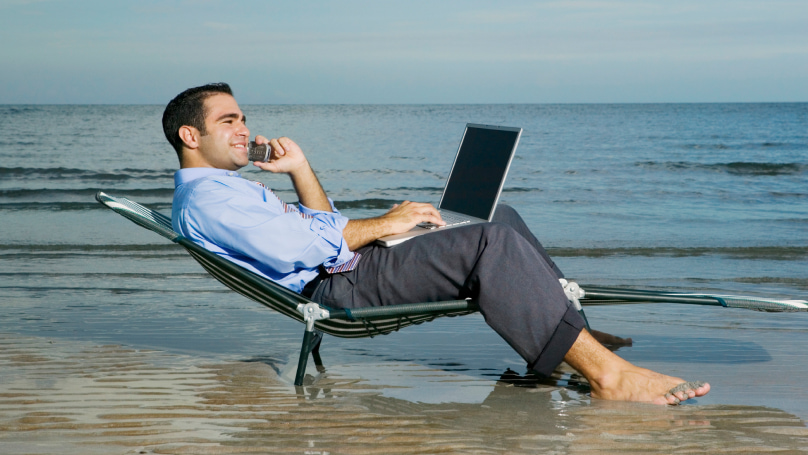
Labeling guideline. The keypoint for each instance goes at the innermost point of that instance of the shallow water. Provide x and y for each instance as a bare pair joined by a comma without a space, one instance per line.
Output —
74,397
100,316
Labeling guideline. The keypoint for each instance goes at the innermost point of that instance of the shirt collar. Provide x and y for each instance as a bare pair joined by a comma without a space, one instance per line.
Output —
192,173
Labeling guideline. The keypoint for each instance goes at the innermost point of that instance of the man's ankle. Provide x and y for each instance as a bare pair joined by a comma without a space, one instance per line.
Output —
598,365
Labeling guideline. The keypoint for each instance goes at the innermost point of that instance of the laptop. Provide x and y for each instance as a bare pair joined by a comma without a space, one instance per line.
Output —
475,181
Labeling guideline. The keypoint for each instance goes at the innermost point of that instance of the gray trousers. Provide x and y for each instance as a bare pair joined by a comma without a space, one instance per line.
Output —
500,264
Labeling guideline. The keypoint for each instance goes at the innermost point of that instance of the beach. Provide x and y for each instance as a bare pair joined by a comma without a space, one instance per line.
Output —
113,340
81,398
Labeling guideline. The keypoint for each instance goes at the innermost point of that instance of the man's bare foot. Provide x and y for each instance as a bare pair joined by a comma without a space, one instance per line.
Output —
632,383
612,378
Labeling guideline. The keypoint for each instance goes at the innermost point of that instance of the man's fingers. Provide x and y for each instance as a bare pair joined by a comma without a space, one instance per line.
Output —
432,213
419,212
277,149
436,219
268,166
433,216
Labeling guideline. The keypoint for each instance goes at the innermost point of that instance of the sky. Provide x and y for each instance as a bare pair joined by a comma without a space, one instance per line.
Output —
413,51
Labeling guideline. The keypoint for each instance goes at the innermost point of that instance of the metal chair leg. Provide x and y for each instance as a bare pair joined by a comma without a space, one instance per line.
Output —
311,341
315,354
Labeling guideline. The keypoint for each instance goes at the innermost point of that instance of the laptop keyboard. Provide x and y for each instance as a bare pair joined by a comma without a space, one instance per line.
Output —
449,218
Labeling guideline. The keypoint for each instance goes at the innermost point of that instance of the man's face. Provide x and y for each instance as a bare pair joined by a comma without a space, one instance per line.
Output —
225,144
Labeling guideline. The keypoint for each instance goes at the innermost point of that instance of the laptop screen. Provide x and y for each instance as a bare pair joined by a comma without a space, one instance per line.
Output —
479,170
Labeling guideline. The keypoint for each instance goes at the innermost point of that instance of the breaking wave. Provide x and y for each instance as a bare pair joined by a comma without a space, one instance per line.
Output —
734,168
63,173
781,253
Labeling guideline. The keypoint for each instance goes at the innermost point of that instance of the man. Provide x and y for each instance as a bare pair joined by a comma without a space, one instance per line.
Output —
315,250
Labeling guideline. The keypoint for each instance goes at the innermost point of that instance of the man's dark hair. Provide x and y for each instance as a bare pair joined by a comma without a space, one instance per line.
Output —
188,108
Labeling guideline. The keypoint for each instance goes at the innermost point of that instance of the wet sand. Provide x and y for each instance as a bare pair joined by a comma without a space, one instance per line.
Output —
63,396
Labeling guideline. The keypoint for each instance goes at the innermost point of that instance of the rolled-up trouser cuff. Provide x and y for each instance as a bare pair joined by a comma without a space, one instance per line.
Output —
562,340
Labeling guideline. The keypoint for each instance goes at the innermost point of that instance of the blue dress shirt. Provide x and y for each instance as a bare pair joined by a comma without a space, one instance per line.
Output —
245,222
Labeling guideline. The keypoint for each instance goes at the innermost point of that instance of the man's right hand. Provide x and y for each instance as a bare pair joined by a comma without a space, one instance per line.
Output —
286,156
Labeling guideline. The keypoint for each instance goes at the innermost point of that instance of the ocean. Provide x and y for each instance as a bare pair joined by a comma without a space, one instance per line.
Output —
692,197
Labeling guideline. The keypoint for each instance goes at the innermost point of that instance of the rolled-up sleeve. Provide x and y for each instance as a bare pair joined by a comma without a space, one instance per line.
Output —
329,226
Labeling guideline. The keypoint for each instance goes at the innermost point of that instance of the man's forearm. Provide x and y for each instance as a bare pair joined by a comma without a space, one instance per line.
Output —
309,191
288,158
358,233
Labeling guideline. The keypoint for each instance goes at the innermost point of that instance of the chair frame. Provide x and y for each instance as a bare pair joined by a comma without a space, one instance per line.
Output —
318,318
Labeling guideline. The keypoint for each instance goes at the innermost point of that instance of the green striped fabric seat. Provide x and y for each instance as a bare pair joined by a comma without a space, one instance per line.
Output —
358,323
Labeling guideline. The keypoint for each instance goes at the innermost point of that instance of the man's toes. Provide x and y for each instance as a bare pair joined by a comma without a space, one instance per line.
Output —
687,387
672,399
685,391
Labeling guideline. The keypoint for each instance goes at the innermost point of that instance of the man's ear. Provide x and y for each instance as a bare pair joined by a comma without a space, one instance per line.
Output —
190,136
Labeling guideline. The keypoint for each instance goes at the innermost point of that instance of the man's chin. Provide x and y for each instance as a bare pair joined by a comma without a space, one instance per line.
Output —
240,161
232,166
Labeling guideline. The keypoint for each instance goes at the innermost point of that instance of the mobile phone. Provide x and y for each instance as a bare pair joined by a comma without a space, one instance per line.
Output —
257,152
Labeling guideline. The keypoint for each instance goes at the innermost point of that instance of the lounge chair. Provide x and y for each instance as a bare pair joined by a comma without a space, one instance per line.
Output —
319,319
369,322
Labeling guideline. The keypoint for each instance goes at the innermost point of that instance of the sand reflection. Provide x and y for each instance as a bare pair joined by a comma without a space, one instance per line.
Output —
72,398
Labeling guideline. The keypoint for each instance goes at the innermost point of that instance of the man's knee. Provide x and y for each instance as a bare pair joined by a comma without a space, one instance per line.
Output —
504,212
499,232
